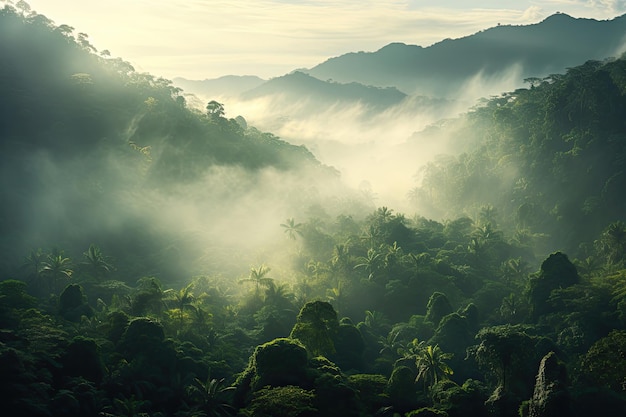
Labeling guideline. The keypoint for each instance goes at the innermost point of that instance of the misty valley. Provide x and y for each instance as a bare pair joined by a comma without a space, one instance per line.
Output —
414,232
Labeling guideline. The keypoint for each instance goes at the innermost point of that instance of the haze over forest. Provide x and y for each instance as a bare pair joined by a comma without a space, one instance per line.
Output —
414,231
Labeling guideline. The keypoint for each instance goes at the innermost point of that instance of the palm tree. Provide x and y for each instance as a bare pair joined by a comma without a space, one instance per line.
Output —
370,263
130,407
211,397
410,350
432,366
183,300
375,320
419,261
278,295
394,252
488,215
57,267
340,256
514,270
96,261
509,307
292,229
258,278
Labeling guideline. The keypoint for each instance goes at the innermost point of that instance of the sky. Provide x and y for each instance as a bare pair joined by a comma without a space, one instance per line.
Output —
204,39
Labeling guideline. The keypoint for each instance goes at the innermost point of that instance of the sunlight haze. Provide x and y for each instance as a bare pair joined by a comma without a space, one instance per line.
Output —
268,38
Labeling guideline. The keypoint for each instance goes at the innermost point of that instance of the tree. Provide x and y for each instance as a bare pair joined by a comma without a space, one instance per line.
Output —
613,242
211,397
23,6
57,268
316,327
504,352
377,322
431,365
371,263
96,261
438,307
556,272
292,229
278,295
183,300
258,278
604,364
215,110
148,297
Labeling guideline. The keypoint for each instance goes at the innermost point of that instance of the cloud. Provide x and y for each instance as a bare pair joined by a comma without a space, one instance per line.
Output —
533,13
206,39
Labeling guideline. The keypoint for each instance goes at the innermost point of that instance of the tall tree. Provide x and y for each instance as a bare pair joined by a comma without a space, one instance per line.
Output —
432,366
57,268
258,277
292,229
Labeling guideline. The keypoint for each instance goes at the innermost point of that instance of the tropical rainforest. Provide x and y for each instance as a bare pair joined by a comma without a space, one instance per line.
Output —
160,259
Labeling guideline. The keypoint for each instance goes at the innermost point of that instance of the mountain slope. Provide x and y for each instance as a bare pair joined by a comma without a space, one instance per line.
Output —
550,46
92,150
550,159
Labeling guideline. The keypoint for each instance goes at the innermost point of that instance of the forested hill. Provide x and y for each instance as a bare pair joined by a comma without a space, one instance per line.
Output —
550,46
83,133
550,158
59,93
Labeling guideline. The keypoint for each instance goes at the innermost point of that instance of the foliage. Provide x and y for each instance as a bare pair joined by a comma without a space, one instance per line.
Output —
603,365
155,324
286,401
316,327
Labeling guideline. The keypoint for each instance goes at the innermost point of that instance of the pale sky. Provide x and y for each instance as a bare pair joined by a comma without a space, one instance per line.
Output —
200,39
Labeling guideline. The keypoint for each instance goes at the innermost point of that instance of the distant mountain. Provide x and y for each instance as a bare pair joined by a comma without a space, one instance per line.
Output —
228,85
558,42
298,85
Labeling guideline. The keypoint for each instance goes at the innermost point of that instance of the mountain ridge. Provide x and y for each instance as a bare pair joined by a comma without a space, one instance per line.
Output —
537,48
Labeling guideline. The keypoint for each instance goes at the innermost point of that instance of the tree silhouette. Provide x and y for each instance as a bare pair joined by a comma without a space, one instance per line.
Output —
371,263
182,300
258,278
214,109
211,397
292,229
96,261
57,268
431,365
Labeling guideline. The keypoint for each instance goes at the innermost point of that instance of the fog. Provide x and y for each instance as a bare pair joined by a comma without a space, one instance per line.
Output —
220,224
376,150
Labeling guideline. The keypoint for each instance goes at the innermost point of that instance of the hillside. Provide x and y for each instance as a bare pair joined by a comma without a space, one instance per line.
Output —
548,158
550,46
157,260
91,148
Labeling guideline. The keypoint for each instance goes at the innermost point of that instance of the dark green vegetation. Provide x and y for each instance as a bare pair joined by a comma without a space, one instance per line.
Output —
517,307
